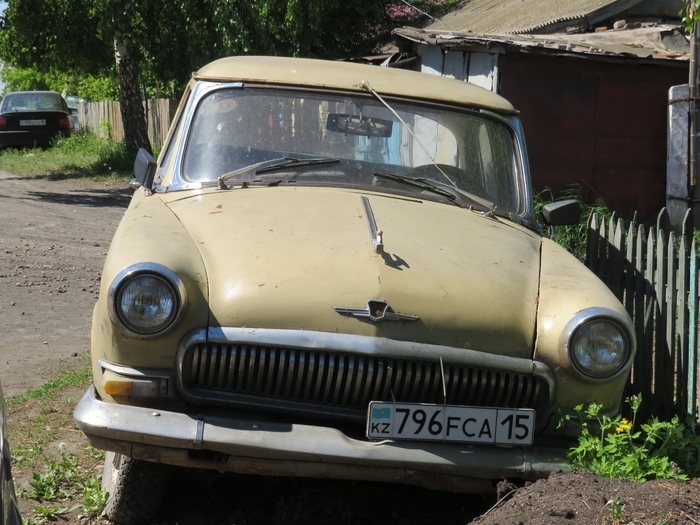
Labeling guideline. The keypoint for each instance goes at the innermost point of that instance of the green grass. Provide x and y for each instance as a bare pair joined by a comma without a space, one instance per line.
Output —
60,482
83,155
30,437
78,377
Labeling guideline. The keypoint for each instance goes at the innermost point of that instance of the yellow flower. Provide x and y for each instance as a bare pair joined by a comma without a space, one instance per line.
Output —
624,426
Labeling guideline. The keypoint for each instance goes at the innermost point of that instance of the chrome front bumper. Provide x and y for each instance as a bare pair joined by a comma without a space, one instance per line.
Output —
212,440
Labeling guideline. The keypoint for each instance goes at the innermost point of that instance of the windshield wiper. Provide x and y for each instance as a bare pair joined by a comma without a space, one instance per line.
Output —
273,165
425,184
291,162
439,188
240,171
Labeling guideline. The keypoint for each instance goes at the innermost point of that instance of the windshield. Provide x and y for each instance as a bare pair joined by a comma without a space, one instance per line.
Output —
272,135
33,101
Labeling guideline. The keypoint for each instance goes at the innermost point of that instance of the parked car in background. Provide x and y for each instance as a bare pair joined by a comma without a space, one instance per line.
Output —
9,512
73,102
334,270
33,119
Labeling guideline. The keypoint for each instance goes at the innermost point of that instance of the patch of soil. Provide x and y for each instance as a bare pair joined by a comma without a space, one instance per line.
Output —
582,497
54,238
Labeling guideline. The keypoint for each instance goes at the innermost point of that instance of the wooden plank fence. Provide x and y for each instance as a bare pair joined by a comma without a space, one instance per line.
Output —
655,275
105,119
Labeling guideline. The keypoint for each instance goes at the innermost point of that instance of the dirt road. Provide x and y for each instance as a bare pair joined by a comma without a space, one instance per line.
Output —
54,237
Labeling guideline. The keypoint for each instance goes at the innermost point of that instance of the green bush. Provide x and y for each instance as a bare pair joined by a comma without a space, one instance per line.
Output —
618,448
573,237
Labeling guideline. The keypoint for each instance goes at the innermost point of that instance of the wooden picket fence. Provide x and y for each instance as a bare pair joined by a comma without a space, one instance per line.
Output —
105,119
654,272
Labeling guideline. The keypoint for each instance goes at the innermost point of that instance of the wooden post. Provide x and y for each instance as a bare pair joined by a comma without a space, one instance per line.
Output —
694,145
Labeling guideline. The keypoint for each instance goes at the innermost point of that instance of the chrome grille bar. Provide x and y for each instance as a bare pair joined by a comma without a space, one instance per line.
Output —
327,378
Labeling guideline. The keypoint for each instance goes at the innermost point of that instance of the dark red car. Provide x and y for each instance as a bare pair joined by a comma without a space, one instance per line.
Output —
33,119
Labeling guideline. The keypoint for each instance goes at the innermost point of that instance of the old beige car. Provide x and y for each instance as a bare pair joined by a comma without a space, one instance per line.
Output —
335,270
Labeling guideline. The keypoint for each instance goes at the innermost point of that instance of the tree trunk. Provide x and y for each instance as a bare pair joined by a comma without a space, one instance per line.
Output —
132,110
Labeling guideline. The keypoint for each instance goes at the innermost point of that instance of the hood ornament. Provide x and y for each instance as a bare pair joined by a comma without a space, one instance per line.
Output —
376,234
376,310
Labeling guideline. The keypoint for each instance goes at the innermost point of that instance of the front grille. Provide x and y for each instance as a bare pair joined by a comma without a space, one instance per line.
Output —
316,380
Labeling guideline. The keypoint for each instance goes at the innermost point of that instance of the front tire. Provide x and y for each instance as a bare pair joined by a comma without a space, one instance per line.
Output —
136,489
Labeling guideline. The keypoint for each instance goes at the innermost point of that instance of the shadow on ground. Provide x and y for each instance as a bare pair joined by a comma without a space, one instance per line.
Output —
117,197
199,498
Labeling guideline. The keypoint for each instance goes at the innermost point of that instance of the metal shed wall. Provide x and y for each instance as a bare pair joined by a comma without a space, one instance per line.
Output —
599,125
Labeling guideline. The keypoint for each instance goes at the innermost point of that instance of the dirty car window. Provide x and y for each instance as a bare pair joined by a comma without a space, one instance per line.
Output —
235,128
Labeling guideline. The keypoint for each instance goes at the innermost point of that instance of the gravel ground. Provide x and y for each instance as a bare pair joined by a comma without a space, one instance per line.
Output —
54,236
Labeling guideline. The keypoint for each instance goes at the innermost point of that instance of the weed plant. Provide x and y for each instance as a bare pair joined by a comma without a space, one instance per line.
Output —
51,483
573,237
618,448
82,155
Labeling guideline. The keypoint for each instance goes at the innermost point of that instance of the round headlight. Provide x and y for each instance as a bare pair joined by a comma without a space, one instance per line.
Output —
599,348
146,298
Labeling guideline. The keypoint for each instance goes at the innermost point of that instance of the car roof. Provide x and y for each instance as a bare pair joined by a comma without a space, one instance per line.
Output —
33,93
348,76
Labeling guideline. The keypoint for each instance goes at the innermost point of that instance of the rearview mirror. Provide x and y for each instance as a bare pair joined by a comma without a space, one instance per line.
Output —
359,125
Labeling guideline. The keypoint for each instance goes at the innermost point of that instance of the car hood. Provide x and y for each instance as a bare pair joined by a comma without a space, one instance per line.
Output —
303,258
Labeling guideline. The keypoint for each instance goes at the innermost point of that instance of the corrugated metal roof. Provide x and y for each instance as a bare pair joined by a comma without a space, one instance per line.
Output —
529,16
655,42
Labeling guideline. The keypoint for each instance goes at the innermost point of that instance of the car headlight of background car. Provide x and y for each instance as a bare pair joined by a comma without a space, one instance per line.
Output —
147,299
598,344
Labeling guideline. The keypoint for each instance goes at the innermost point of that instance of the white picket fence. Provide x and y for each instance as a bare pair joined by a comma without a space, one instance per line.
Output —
654,272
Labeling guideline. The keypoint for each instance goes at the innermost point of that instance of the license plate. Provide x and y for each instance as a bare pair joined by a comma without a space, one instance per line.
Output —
417,421
33,122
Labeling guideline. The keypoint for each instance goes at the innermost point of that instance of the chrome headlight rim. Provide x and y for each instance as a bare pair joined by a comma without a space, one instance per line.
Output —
585,318
169,277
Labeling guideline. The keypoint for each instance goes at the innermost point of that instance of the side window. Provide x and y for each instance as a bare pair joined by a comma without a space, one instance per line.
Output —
168,153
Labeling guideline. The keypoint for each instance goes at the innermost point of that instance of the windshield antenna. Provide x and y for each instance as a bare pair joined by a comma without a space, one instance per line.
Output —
366,86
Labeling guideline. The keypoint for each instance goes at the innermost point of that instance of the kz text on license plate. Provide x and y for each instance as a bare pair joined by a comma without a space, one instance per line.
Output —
450,423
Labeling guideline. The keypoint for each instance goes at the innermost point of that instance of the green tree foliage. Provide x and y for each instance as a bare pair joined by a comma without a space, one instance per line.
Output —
53,34
339,28
169,39
89,87
690,14
23,79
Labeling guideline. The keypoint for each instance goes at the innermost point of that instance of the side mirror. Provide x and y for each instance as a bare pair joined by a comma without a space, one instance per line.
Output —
144,170
562,213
